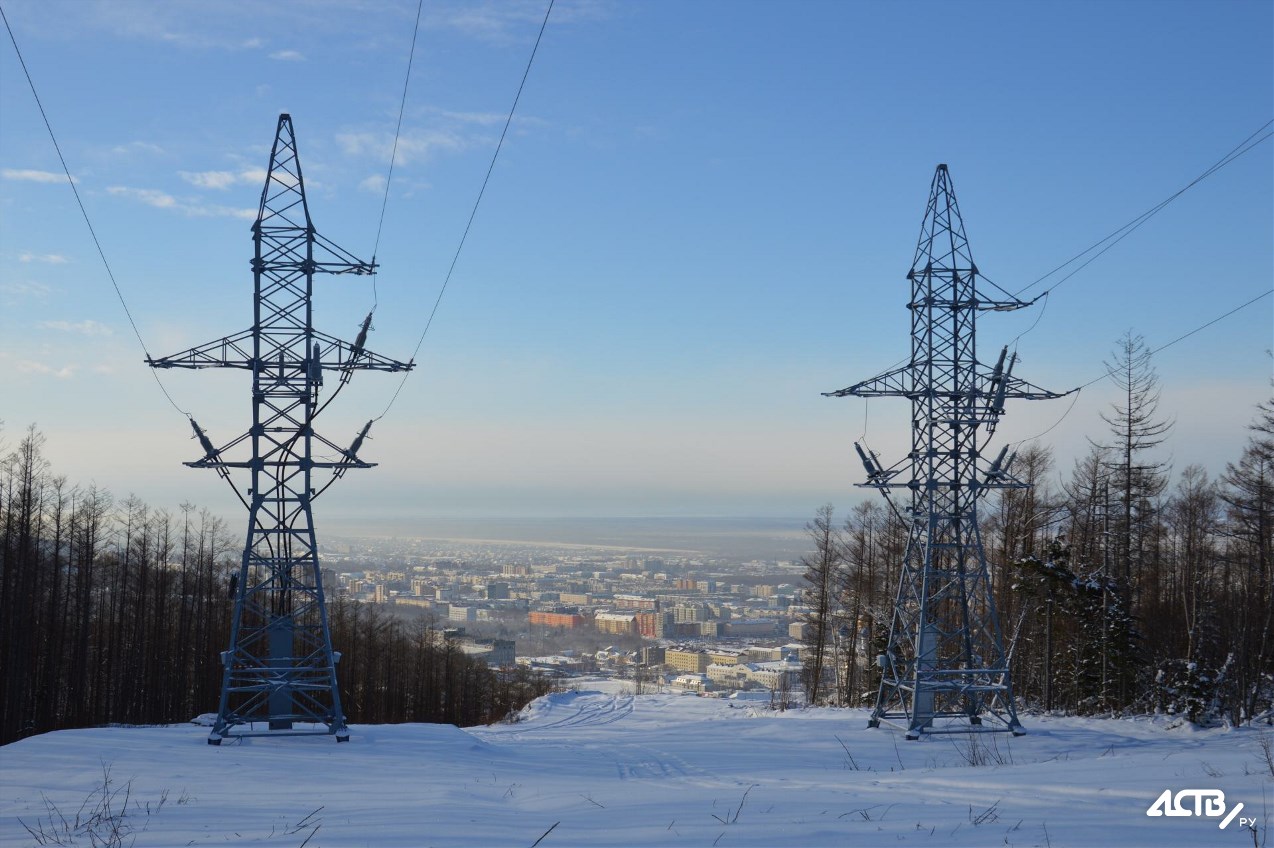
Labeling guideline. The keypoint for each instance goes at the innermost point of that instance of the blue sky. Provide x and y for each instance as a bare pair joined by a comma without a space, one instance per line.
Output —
701,219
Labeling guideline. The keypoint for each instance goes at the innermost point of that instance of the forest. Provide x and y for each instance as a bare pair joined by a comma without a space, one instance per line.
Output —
1120,588
113,612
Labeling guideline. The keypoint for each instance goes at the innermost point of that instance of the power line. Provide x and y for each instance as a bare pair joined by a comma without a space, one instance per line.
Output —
1190,333
1127,229
393,154
71,182
1110,373
1069,409
472,214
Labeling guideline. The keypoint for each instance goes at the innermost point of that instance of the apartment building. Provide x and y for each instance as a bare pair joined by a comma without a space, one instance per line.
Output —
687,659
616,622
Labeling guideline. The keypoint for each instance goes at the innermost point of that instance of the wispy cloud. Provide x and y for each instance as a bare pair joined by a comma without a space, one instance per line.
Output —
413,145
446,132
484,119
87,327
47,258
31,175
30,366
137,147
25,288
222,180
163,200
375,184
210,179
247,25
288,56
149,196
507,20
490,21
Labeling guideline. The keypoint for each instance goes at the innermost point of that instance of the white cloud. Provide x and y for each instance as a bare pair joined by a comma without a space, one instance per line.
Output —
222,180
487,21
210,179
451,132
375,183
485,119
137,147
510,20
49,258
31,175
25,288
163,200
87,327
200,211
28,366
489,119
412,145
149,196
252,44
288,56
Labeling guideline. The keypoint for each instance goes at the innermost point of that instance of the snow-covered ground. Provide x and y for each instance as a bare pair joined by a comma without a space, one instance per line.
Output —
607,768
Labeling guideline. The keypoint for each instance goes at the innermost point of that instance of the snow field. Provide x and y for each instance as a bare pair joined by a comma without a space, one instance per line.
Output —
609,768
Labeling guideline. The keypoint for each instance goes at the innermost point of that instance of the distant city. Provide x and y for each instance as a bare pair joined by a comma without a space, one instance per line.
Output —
709,619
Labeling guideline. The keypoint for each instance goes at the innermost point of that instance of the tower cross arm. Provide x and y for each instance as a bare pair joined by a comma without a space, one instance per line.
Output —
340,355
348,457
1010,305
1021,389
229,352
338,260
894,383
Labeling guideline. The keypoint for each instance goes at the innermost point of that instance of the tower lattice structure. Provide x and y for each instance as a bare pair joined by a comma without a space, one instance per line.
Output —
944,668
280,668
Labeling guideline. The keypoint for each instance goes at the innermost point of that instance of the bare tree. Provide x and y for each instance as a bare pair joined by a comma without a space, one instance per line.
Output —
822,573
1248,492
1135,428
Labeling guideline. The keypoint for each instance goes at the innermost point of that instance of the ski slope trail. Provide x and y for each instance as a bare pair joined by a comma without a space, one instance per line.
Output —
570,709
607,768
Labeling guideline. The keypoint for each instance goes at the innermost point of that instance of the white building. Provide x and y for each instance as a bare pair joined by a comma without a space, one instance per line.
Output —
692,682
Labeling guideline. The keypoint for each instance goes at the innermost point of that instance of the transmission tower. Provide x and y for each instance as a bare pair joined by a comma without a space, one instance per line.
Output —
944,668
280,667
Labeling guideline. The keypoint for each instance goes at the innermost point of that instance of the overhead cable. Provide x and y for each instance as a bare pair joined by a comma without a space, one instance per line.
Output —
1190,333
1110,373
1127,229
1260,135
79,202
473,213
393,153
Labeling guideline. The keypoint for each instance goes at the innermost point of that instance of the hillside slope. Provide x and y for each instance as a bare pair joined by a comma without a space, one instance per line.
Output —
614,769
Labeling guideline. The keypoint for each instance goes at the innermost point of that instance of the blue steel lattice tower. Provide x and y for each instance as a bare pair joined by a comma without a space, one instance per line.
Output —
945,669
280,667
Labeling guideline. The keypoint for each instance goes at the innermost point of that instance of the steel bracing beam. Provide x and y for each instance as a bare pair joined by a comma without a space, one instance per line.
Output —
280,668
944,668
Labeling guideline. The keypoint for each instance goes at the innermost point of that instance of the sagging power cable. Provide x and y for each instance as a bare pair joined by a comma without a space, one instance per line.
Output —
84,212
473,213
1260,135
393,153
1243,147
1110,373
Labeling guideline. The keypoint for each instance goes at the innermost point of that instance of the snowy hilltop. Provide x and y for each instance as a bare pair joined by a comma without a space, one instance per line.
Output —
593,767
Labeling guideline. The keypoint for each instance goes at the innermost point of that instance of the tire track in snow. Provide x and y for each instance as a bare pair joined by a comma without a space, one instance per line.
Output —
586,711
